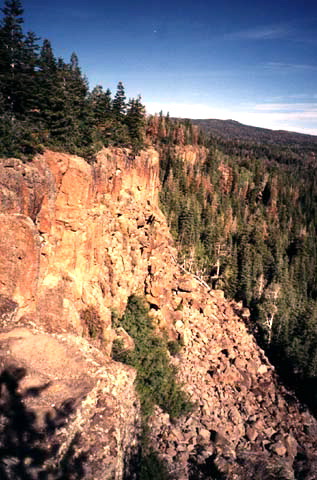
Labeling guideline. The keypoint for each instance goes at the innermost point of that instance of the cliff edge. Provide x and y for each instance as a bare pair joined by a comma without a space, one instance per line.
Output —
76,241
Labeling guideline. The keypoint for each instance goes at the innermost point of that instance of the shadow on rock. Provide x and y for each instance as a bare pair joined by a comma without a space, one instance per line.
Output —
29,447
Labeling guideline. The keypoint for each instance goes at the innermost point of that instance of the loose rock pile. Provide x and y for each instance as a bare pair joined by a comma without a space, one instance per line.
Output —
245,424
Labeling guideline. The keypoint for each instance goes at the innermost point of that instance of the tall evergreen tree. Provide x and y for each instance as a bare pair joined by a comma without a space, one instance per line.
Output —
76,90
30,76
101,115
51,96
18,57
11,56
135,121
101,105
119,104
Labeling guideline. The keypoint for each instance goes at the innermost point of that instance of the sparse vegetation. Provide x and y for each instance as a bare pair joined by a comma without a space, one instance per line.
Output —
92,322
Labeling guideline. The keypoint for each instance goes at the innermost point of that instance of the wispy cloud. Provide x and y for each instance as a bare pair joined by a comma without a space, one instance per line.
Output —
287,107
294,96
291,66
266,32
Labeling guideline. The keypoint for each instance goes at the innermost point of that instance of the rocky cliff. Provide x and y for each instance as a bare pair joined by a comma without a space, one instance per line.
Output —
78,239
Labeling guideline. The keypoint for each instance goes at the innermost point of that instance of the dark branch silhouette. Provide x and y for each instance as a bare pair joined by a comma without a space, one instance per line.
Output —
28,451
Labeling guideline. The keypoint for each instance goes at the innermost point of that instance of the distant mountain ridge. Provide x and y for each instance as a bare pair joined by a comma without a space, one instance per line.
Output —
231,129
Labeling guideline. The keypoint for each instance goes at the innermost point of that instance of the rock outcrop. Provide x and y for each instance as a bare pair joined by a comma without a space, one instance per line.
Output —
86,408
78,239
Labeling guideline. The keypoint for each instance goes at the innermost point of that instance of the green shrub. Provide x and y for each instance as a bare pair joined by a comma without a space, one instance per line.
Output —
115,321
117,350
174,347
152,467
119,354
156,380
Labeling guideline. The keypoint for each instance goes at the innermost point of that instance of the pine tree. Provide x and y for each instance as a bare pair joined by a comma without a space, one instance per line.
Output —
76,90
51,95
18,60
47,60
135,121
11,56
101,105
119,105
30,75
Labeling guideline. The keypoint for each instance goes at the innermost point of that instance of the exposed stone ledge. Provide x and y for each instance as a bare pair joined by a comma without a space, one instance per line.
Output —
64,370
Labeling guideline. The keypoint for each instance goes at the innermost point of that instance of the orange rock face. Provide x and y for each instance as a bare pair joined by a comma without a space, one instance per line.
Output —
76,235
19,259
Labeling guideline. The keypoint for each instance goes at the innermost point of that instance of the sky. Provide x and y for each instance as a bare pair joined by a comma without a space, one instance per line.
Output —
250,61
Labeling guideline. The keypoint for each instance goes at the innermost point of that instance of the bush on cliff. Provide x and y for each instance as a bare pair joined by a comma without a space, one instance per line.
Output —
92,322
156,380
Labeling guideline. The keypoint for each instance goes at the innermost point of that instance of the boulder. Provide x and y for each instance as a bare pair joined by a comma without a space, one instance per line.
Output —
187,283
279,448
204,435
262,369
291,446
251,433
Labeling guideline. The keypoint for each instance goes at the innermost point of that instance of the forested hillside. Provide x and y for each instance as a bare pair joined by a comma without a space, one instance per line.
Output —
230,129
245,219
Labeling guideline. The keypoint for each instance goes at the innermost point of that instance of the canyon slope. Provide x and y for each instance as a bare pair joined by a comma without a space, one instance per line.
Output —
76,241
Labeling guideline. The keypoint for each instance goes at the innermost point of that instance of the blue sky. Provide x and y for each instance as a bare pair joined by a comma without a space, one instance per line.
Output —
252,61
